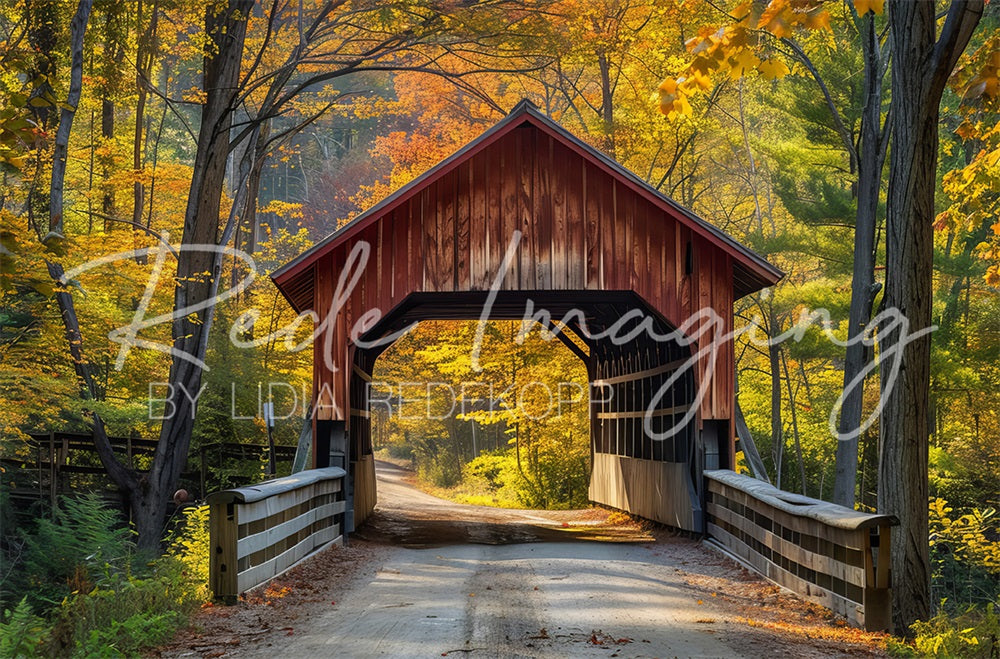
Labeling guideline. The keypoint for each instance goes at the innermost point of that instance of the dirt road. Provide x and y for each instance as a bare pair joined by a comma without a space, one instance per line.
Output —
407,517
430,578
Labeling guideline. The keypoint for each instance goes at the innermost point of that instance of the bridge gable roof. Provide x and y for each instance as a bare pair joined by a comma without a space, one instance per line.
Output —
751,272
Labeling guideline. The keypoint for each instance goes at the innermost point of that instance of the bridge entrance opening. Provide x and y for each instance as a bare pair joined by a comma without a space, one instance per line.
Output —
513,433
634,389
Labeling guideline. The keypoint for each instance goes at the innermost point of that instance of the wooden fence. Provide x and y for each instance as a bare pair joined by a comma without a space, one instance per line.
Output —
58,463
259,531
831,555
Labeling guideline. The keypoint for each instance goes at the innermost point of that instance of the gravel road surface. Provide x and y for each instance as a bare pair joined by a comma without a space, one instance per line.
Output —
427,577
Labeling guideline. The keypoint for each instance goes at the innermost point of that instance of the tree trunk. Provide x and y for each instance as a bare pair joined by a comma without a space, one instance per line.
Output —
920,70
871,157
123,477
144,65
107,135
197,271
78,27
795,426
607,103
777,440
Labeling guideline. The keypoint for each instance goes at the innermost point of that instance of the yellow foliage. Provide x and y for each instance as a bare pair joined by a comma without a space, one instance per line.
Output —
191,547
968,536
864,6
734,50
773,68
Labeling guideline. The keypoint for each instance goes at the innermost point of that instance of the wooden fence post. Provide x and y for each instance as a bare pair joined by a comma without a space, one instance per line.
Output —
223,566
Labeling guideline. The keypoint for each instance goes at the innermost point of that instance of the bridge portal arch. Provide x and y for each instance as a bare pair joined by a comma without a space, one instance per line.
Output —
529,220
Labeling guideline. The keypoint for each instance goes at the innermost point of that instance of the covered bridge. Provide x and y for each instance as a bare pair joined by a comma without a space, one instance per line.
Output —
584,239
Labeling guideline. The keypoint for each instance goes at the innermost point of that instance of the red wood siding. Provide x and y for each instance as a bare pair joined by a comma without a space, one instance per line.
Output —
582,230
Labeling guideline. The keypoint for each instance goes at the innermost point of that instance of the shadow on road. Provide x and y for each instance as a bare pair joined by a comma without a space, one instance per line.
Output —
406,516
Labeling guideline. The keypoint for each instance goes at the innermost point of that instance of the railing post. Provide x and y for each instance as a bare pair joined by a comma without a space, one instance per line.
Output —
223,565
53,471
878,603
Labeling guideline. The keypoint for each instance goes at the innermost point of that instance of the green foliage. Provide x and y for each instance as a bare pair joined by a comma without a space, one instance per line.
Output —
22,633
126,614
128,637
974,634
84,543
85,594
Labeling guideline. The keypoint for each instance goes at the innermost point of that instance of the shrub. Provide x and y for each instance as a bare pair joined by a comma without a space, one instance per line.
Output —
109,605
84,542
965,559
189,546
128,637
974,634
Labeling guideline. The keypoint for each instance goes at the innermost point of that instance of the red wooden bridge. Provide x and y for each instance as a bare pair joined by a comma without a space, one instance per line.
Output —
529,212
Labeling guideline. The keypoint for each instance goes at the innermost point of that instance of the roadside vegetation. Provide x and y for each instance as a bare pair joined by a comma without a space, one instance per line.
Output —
79,588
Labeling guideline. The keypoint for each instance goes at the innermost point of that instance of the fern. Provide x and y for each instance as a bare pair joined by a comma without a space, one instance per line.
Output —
22,633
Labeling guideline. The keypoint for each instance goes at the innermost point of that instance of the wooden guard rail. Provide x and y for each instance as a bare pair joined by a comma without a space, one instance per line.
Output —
259,531
831,555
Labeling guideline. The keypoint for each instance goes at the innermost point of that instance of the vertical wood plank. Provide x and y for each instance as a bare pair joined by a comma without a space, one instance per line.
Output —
496,239
592,218
427,225
560,171
445,189
623,239
608,235
542,216
640,248
526,262
511,192
463,201
400,255
478,224
574,194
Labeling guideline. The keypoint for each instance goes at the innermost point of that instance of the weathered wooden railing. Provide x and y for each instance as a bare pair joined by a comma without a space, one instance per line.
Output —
831,555
259,531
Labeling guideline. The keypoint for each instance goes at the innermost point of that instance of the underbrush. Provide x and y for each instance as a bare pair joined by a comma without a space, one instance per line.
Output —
973,634
965,580
470,494
78,587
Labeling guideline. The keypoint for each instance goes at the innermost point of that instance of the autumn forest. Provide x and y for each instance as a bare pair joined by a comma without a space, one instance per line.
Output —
161,158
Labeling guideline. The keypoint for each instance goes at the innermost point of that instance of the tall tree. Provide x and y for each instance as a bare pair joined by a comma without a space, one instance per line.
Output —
754,32
923,60
869,154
